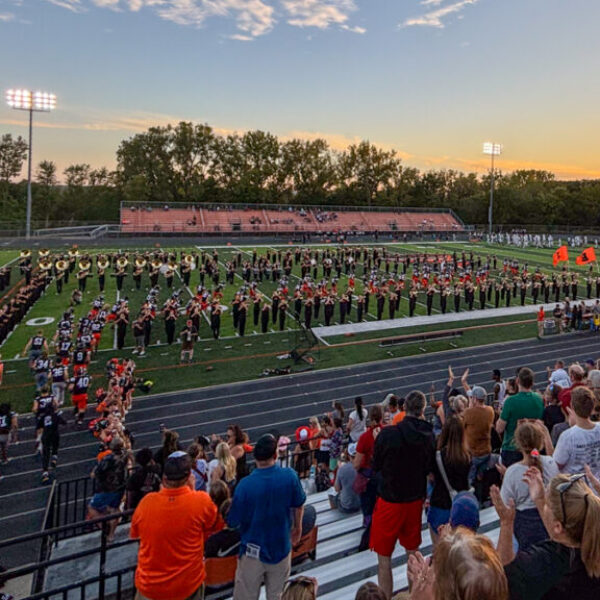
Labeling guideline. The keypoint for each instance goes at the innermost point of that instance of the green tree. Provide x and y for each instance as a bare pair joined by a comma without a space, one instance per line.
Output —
13,153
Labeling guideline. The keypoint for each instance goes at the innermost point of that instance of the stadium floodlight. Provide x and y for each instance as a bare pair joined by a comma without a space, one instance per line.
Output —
492,149
31,102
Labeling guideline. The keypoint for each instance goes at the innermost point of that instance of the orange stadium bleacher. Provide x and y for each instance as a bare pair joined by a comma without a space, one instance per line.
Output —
253,219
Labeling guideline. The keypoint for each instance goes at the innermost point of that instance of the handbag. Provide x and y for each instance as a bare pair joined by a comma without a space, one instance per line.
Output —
440,463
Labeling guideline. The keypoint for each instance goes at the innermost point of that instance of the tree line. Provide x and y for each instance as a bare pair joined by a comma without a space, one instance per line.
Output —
191,163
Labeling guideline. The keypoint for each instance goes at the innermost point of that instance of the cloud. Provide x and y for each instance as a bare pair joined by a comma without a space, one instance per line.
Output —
355,29
434,18
72,5
318,13
6,17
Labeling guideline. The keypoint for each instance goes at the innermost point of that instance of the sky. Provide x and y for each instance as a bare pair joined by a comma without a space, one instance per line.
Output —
433,79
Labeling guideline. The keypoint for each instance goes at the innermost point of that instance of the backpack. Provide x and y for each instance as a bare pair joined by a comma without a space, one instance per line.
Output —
322,481
110,474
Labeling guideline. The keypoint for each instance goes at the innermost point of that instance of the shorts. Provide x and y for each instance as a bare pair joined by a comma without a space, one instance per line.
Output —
103,500
96,336
33,354
80,401
77,368
139,340
437,517
393,521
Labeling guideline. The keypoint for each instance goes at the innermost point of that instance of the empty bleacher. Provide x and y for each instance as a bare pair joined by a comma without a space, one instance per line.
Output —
261,220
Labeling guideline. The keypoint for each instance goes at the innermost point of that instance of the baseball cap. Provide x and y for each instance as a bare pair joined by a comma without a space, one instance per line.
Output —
265,447
302,434
478,392
465,511
177,466
352,449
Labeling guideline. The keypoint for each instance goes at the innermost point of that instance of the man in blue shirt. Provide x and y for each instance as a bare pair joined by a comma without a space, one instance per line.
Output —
267,508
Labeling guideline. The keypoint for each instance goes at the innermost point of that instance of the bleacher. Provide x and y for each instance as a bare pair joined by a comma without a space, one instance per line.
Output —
338,566
258,219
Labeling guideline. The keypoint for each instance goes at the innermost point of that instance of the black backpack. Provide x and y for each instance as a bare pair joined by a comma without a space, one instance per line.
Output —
322,481
110,474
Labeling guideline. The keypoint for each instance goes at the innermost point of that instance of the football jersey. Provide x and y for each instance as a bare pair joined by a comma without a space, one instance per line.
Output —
64,347
81,384
37,342
57,373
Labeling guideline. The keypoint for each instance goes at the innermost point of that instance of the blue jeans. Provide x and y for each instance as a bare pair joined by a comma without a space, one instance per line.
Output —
478,465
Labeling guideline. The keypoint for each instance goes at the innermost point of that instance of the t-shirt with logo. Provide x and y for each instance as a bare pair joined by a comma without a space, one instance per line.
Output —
578,447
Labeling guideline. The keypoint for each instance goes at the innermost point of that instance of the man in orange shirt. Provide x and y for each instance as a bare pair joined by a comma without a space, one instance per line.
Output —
172,525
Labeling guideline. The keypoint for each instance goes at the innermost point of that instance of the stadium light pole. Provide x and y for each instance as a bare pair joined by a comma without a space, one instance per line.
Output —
30,102
492,150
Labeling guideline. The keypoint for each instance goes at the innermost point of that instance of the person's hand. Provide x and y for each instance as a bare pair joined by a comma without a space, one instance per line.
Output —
422,582
506,513
450,372
296,534
415,566
432,388
465,374
594,481
533,478
444,530
501,469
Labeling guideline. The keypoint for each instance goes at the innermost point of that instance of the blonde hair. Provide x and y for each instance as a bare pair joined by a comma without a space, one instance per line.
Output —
527,439
223,455
300,588
468,568
580,519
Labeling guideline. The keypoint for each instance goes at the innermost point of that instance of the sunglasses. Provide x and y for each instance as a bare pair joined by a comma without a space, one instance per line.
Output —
563,488
305,582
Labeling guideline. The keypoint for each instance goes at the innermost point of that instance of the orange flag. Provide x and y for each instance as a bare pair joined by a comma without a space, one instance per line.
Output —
587,256
561,255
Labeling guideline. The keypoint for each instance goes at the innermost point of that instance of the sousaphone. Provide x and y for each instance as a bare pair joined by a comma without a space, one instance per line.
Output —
122,262
45,264
61,264
73,253
25,254
103,262
140,262
43,252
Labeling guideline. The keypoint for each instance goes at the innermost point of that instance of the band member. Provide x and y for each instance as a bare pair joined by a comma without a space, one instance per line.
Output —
429,300
412,301
137,276
276,299
120,276
215,319
186,272
444,299
282,314
256,309
170,315
264,317
328,310
121,323
189,334
498,290
308,313
380,304
82,275
456,298
243,312
360,308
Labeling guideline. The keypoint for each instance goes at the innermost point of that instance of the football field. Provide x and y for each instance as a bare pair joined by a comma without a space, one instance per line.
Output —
234,358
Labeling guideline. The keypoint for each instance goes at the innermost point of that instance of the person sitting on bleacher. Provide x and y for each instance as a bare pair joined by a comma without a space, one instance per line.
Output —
342,496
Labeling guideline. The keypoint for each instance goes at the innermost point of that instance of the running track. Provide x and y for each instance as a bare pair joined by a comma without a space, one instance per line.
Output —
280,403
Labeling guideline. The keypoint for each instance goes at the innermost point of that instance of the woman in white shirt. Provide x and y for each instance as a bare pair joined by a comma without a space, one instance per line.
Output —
530,439
357,422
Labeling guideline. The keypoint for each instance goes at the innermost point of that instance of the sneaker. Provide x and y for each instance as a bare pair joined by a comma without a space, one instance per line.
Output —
143,353
134,351
45,478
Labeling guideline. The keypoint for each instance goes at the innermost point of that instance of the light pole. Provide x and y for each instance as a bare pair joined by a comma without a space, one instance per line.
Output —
31,102
493,150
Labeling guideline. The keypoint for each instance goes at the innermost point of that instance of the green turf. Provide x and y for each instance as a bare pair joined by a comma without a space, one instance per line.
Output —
248,351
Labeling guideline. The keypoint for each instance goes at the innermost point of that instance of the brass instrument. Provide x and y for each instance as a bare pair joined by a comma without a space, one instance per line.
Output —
140,262
84,264
103,263
188,259
61,264
122,262
172,265
43,252
73,253
45,264
25,254
156,263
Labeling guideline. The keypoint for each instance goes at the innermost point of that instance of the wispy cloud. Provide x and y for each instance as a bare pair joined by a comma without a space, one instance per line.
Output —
72,5
6,17
318,13
435,17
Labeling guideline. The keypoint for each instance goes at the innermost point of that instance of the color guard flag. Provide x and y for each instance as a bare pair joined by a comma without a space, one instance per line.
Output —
561,255
587,256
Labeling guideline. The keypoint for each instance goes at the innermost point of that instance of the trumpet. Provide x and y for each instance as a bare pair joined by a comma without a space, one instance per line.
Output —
61,265
140,262
122,262
25,254
43,252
